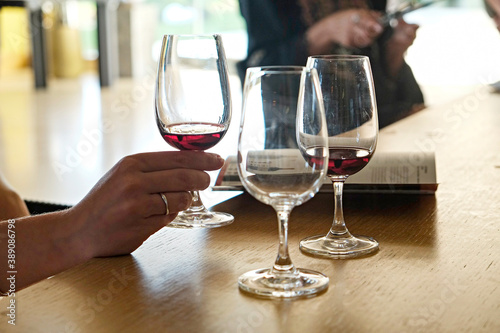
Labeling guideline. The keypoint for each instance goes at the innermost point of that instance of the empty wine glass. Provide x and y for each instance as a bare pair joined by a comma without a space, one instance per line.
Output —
282,160
351,115
193,107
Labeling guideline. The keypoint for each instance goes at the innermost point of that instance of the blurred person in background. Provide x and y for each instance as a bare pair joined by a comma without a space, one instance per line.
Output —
493,9
286,32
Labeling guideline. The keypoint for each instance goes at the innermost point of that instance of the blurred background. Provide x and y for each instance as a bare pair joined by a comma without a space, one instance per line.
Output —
457,44
133,28
77,78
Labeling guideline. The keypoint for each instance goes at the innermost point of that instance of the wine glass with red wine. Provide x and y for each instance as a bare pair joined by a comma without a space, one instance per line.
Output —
193,107
351,114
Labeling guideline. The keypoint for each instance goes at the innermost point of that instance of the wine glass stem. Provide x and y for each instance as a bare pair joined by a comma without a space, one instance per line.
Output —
283,263
196,203
338,228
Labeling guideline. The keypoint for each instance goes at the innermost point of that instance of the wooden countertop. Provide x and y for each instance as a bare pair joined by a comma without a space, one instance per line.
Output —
438,268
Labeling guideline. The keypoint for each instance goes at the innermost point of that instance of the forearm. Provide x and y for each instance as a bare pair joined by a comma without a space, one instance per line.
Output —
41,246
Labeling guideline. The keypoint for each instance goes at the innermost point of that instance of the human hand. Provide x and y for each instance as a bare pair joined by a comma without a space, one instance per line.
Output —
363,27
402,38
125,206
355,27
352,28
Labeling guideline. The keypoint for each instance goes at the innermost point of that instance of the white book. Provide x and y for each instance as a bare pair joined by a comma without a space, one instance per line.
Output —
387,172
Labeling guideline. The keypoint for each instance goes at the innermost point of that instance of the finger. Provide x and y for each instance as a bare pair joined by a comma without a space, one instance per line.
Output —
361,38
375,14
411,34
367,28
370,23
411,30
177,180
148,162
373,29
157,222
175,202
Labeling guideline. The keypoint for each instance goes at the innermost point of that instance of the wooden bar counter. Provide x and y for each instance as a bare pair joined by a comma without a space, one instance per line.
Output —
437,270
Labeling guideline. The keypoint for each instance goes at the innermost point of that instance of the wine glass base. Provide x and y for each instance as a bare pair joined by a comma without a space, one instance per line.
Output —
266,284
341,248
205,219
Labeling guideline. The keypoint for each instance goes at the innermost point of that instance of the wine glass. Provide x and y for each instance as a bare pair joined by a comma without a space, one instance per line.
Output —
282,160
351,115
193,107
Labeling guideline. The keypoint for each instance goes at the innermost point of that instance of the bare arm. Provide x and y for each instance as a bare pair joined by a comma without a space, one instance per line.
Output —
116,217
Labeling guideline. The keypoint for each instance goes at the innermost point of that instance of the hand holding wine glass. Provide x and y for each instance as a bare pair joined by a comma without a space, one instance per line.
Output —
193,107
351,114
282,159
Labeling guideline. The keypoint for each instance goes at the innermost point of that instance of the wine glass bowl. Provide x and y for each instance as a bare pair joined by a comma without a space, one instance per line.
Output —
193,107
282,160
351,113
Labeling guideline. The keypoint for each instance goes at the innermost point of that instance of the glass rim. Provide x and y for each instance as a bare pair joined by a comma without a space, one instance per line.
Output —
279,69
339,57
207,35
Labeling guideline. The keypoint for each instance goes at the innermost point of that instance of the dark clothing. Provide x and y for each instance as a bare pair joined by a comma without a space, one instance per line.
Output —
276,36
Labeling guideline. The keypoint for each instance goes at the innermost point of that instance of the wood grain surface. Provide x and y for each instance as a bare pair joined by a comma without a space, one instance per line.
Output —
437,269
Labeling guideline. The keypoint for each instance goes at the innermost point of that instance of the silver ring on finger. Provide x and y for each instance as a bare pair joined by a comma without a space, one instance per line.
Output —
355,18
164,198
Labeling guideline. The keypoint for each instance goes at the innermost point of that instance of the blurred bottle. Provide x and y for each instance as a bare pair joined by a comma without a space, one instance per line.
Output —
66,42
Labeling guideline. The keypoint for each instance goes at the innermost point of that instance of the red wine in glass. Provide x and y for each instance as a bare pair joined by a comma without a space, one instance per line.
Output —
350,105
347,161
193,108
193,136
343,162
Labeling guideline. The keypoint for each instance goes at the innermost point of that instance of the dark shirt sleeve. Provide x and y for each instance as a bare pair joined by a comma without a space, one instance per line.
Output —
396,97
275,34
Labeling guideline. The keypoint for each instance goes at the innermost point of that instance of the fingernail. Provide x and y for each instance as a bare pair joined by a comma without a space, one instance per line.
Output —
181,206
